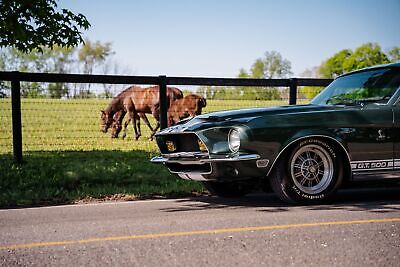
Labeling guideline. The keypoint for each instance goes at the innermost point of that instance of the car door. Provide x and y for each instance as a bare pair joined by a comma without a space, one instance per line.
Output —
396,139
371,145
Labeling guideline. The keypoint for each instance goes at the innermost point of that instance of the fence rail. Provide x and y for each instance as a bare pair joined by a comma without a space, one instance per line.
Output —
162,81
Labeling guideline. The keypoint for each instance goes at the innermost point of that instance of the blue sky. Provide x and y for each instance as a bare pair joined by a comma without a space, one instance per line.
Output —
215,38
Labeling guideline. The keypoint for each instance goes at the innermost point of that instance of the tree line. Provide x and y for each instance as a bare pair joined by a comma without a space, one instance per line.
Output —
273,65
91,57
88,58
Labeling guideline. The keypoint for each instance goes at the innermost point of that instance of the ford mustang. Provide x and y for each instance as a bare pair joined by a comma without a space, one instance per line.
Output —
349,132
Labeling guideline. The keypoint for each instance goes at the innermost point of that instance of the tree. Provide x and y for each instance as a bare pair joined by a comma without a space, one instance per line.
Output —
272,65
92,54
243,73
366,55
394,54
4,86
346,60
334,66
309,92
257,69
57,60
275,66
28,25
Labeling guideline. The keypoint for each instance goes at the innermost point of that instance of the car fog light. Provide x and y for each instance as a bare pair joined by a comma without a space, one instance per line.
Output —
234,140
170,146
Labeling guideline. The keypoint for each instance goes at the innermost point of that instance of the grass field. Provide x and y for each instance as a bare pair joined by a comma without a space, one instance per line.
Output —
67,158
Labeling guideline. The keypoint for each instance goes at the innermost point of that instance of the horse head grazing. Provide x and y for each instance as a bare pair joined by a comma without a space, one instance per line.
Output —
116,125
106,119
107,115
115,129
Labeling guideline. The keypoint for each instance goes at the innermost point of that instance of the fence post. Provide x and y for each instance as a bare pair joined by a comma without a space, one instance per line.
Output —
163,101
293,91
16,119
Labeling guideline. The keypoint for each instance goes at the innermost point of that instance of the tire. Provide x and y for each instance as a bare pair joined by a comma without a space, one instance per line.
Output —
308,174
228,189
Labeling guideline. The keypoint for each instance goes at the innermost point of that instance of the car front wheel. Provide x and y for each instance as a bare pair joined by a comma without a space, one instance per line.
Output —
310,173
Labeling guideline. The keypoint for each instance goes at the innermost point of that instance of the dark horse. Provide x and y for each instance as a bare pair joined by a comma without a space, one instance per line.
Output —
189,106
136,101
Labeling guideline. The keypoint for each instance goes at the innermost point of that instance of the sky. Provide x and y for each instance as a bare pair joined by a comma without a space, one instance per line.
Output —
216,38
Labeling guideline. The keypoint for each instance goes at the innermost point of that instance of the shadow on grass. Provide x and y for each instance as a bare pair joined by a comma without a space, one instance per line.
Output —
50,178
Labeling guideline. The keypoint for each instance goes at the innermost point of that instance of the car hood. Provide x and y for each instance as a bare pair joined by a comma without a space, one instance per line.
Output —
251,113
243,116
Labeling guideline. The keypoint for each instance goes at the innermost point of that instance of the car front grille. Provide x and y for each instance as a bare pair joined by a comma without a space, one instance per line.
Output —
174,143
181,148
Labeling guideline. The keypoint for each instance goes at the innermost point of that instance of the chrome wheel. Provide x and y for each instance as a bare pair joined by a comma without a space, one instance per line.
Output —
312,169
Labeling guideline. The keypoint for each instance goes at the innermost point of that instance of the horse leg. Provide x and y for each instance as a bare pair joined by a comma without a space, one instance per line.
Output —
130,107
127,121
157,117
138,125
120,119
146,121
133,115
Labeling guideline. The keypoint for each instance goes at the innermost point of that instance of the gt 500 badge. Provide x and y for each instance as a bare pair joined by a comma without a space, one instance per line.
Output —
371,165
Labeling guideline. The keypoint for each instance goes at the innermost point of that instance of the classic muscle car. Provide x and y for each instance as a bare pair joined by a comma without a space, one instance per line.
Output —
349,132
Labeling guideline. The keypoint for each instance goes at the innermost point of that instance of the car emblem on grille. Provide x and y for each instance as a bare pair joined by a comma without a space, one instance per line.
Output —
170,146
202,146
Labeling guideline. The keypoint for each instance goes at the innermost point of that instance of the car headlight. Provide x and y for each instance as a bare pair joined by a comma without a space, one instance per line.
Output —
234,140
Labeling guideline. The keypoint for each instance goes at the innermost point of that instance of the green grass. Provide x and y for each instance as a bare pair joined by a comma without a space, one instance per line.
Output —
65,177
67,158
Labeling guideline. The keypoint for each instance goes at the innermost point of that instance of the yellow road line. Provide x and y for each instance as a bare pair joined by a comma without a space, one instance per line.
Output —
200,232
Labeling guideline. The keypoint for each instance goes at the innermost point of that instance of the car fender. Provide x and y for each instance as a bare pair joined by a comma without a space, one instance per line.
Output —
301,135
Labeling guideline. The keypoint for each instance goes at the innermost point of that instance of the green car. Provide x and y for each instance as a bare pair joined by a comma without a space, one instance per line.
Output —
349,132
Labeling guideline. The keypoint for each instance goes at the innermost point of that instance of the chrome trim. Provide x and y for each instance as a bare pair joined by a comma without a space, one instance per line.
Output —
262,163
186,155
304,137
191,158
192,176
229,140
158,160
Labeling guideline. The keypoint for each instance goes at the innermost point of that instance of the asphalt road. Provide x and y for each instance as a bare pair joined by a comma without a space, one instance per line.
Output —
361,228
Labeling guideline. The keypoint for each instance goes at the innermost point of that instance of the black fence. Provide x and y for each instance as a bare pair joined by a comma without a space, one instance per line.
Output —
162,81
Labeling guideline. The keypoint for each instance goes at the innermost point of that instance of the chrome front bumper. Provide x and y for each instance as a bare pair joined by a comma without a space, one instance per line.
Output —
201,158
188,161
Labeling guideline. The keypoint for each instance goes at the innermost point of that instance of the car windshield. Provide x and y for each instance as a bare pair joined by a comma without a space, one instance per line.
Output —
373,86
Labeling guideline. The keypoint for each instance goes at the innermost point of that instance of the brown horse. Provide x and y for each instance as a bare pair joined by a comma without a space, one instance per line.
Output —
189,106
136,101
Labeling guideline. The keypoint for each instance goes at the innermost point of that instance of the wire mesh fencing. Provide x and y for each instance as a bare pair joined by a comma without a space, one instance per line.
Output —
50,124
65,112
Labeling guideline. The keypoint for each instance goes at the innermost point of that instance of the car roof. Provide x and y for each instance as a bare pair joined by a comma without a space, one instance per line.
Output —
390,65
